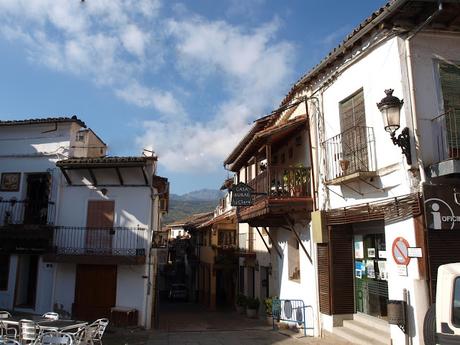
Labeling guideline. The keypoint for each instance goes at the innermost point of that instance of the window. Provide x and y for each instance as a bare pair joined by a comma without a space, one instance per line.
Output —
354,132
4,271
226,238
450,88
456,304
80,136
294,258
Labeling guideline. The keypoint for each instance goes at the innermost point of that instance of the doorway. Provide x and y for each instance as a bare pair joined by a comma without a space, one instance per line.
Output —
95,291
371,286
37,197
99,222
26,281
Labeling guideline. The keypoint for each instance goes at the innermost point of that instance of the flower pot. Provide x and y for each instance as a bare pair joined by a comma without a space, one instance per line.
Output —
344,163
251,313
269,320
240,309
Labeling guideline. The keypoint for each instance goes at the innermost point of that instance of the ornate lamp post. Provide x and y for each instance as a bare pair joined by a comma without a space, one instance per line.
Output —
390,107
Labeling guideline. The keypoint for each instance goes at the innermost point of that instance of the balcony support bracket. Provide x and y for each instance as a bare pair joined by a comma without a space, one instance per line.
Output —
291,225
370,184
273,243
66,176
263,240
351,188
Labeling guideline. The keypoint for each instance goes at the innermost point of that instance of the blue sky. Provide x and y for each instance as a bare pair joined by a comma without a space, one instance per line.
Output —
185,78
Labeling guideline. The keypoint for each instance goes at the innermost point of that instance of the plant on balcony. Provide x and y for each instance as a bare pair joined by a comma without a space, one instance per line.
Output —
241,302
252,307
301,178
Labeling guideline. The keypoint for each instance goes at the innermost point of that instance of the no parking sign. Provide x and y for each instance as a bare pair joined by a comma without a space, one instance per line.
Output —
399,249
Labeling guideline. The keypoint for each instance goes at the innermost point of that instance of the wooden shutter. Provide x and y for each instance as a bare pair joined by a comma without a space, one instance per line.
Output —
443,248
323,278
450,87
354,132
341,272
99,222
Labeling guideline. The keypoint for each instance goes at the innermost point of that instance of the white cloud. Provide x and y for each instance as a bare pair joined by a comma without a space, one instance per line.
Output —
115,43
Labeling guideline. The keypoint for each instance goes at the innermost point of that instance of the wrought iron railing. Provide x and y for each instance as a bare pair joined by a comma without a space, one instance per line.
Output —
282,182
26,212
116,241
350,152
446,134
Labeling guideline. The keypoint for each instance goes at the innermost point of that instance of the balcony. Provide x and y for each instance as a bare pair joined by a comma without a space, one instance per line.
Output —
117,245
278,190
350,156
446,136
246,245
26,226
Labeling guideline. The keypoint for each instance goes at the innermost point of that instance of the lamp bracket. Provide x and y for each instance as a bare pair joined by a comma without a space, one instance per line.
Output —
403,141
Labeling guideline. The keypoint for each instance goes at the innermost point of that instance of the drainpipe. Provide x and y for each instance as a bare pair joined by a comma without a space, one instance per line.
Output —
410,78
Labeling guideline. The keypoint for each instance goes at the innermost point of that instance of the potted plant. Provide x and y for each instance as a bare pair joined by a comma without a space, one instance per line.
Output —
301,178
344,163
268,303
252,307
241,301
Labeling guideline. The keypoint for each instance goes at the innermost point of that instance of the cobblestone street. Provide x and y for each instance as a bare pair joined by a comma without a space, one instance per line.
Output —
191,324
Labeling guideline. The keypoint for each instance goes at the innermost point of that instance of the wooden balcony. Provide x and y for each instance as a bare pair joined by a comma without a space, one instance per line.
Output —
117,245
278,191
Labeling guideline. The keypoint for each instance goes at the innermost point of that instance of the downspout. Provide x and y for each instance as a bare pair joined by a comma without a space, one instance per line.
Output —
410,78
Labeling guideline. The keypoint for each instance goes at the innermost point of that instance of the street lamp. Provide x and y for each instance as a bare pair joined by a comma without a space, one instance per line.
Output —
390,107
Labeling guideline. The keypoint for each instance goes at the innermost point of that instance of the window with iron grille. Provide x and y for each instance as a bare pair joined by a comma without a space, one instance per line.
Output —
354,132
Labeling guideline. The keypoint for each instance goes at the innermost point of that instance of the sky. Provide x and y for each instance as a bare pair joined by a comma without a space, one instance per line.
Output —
183,78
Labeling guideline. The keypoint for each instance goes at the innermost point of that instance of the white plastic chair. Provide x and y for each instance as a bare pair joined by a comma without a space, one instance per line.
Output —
54,338
28,331
9,341
51,315
95,331
6,332
4,314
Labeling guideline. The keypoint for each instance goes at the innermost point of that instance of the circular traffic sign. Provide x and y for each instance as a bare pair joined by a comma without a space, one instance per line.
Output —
400,251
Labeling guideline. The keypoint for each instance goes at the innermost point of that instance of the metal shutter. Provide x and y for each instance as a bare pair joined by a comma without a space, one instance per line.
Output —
323,278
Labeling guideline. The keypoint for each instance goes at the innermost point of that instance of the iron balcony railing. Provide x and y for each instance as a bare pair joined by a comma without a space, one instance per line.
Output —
246,242
350,152
28,212
282,182
116,241
446,134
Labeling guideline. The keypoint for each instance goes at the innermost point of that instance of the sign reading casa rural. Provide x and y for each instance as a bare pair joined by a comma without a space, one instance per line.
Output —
241,195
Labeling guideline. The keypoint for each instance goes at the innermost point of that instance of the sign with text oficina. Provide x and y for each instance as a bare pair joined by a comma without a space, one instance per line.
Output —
442,206
241,195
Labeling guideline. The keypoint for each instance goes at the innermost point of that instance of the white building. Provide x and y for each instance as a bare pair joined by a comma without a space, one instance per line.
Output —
369,193
80,241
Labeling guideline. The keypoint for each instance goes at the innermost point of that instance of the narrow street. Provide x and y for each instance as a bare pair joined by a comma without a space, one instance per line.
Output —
192,324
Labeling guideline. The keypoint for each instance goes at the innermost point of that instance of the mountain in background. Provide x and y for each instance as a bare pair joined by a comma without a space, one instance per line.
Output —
200,201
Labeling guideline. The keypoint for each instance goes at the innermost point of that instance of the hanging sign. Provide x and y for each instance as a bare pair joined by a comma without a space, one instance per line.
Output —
442,206
399,250
241,195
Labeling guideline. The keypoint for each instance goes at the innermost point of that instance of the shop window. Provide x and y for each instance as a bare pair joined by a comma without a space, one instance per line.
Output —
4,271
456,304
294,259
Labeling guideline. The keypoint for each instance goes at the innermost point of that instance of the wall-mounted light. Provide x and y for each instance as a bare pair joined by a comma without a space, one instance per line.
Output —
390,107
104,191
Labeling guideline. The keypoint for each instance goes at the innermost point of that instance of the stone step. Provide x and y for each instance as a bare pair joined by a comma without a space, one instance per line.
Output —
355,337
372,322
367,330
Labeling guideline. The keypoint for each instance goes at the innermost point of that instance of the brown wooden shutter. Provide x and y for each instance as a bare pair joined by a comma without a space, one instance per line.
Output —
323,278
341,272
443,248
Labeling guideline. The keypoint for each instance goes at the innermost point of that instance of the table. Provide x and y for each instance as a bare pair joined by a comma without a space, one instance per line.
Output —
46,324
60,325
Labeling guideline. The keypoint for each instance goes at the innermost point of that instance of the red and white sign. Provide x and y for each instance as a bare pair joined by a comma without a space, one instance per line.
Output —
400,251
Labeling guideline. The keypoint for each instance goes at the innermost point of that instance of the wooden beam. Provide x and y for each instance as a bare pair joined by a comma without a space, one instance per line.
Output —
263,239
291,225
144,173
273,243
119,175
67,178
93,177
